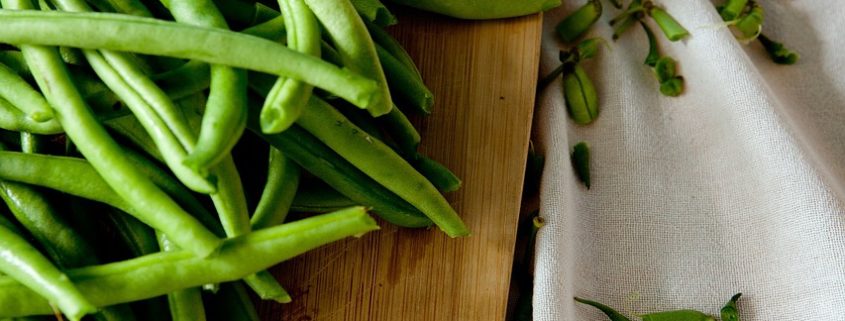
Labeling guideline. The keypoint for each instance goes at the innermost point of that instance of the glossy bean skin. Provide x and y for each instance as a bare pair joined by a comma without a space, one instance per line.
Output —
279,191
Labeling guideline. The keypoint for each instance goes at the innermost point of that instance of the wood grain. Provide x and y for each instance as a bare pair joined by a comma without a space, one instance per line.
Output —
483,75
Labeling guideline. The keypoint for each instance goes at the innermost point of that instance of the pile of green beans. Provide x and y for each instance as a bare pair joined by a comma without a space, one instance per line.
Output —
151,151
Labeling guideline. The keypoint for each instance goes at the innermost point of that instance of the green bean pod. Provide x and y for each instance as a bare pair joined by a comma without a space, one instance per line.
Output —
581,162
401,131
279,191
407,86
153,275
375,12
729,312
577,23
381,163
626,24
24,263
14,60
190,78
750,24
392,46
356,48
673,30
777,51
678,315
732,9
143,35
439,175
314,198
12,119
580,95
20,94
286,99
610,312
185,304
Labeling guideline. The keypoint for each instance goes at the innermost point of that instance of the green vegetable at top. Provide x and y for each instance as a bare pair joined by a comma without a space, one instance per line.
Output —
482,9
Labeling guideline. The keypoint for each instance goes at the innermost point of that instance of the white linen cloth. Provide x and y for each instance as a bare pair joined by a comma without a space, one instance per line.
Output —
738,185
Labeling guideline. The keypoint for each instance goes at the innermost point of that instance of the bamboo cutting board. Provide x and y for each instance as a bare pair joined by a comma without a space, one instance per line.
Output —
483,75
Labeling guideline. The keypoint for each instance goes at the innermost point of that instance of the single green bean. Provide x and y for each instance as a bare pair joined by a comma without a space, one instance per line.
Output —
404,83
374,11
577,23
356,48
12,119
156,37
381,163
286,99
678,315
24,263
19,93
610,312
279,190
439,175
92,140
156,274
225,112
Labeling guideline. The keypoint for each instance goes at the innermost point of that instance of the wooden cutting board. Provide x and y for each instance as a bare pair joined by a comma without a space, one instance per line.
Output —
483,75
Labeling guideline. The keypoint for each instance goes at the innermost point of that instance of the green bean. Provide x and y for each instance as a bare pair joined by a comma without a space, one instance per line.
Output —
580,94
732,9
24,263
225,113
92,140
581,162
577,23
144,35
185,304
374,11
279,190
240,14
440,176
381,163
5,222
190,78
164,272
750,24
777,51
356,48
678,315
729,312
407,86
316,158
13,119
391,45
313,198
286,99
19,93
610,312
673,30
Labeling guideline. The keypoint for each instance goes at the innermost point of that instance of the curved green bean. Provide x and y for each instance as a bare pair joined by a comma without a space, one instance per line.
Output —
188,79
24,263
381,163
678,315
407,86
19,93
374,11
356,48
152,275
94,142
729,312
285,101
612,314
400,129
156,37
279,191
